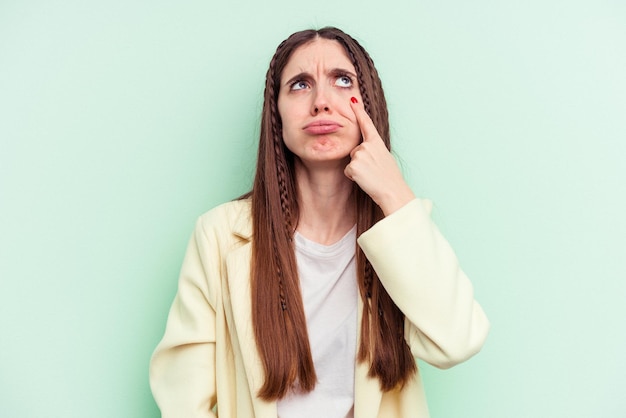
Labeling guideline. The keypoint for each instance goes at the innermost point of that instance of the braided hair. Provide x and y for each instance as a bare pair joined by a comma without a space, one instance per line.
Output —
278,316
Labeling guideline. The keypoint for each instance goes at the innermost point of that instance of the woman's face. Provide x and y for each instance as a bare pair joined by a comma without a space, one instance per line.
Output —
316,86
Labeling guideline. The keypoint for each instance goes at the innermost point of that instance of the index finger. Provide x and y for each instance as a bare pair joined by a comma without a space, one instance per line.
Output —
368,129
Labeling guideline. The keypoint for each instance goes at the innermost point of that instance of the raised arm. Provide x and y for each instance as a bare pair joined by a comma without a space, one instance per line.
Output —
444,324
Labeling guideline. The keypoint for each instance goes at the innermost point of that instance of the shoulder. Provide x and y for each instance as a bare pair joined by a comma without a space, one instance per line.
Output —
234,217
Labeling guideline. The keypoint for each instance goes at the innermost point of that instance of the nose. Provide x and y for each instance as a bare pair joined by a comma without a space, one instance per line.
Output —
320,101
316,109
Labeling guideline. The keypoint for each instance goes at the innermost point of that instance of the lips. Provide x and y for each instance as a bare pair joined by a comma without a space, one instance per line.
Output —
321,127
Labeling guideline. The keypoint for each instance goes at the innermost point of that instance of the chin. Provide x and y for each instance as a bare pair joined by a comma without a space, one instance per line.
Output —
326,161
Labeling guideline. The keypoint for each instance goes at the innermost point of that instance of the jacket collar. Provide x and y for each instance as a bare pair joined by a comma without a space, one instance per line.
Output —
242,224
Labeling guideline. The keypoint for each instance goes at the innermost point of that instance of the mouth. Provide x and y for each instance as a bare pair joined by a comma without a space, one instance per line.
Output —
321,127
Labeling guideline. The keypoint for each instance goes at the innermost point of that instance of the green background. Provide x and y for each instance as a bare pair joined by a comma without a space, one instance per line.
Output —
122,121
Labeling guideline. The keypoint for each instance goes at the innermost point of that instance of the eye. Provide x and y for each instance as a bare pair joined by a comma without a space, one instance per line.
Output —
299,85
343,81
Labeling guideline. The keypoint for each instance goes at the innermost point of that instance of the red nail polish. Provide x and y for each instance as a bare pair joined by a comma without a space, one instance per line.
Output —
354,100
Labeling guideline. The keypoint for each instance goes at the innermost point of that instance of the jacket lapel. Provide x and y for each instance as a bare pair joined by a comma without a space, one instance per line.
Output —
238,283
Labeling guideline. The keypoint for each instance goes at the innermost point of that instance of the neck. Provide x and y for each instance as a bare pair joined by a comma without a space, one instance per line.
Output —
326,204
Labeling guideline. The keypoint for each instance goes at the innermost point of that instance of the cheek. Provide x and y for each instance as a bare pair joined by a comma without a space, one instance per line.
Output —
289,135
284,118
287,127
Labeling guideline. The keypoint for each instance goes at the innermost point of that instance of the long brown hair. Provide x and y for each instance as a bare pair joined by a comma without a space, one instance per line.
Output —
277,309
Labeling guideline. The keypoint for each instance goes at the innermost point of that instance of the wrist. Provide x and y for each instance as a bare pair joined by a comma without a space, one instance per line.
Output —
393,201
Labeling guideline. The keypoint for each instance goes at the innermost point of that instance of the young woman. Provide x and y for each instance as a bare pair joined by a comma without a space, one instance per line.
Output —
313,295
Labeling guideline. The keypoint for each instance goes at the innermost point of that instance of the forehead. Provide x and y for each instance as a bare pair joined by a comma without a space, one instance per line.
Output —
318,55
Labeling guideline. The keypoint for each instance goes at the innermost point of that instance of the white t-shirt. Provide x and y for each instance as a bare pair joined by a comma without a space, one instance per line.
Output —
329,292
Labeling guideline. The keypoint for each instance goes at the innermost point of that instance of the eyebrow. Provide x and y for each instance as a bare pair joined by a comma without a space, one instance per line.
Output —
305,75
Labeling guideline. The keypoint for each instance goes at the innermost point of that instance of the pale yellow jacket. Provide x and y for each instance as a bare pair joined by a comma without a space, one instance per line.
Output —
208,355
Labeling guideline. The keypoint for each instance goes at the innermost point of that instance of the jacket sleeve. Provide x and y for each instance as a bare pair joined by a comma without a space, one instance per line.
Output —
444,325
182,368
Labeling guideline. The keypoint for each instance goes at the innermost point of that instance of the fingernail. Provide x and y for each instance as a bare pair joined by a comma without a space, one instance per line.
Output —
354,100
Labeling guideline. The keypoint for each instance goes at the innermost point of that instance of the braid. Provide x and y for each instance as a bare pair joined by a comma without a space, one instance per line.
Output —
382,326
368,279
357,67
281,174
286,197
278,313
281,285
285,207
364,91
